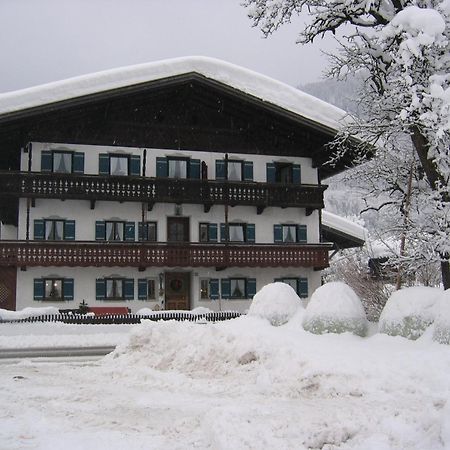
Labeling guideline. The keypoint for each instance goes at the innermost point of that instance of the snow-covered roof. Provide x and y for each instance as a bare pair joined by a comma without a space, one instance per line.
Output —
247,81
342,225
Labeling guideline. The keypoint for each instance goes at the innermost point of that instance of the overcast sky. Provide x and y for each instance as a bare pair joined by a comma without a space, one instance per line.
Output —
48,40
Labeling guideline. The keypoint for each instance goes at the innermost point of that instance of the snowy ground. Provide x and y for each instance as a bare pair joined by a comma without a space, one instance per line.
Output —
241,384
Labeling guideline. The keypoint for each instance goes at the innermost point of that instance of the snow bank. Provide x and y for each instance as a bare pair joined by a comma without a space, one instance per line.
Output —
5,314
335,308
408,312
442,323
196,311
276,302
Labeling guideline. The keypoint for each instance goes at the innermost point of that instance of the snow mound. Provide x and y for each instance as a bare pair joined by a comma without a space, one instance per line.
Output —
409,312
335,308
276,302
442,323
5,314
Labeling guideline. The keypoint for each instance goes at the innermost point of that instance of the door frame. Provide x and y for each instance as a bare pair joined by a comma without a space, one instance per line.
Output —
187,275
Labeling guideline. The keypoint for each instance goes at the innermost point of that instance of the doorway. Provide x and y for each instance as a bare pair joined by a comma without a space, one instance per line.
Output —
178,229
177,289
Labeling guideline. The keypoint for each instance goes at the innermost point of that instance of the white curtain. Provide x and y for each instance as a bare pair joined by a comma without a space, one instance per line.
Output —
54,230
237,288
234,171
62,162
177,168
236,233
289,234
118,165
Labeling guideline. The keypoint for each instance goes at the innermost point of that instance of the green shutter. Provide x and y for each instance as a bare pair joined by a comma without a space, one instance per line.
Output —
161,167
46,161
220,169
100,289
251,287
225,286
302,287
296,174
69,230
277,233
38,289
270,172
250,232
302,234
129,231
248,171
128,289
39,229
103,164
78,162
214,289
142,289
223,233
135,165
68,288
194,168
212,232
100,230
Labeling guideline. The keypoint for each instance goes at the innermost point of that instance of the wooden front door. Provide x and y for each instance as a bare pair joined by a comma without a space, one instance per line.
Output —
178,229
177,289
8,279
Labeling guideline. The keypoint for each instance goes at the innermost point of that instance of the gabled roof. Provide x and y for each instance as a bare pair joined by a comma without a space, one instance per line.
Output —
342,232
273,92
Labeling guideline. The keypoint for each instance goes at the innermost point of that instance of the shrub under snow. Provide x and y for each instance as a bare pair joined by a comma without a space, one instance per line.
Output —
5,314
276,302
409,312
442,323
335,308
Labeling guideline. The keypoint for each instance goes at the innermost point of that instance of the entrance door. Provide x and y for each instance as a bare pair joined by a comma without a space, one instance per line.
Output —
178,229
177,287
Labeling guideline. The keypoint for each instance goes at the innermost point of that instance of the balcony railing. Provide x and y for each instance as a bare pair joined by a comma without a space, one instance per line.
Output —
106,254
159,190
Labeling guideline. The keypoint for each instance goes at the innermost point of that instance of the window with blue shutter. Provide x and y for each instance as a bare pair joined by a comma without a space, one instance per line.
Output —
248,171
103,164
302,287
46,161
296,174
142,289
223,232
39,229
135,165
277,233
270,172
100,230
69,230
100,289
194,168
38,289
128,289
302,233
214,288
212,232
250,232
161,167
251,287
220,169
225,288
78,162
129,231
68,289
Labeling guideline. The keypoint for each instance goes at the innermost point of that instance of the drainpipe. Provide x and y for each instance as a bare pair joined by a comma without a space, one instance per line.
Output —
27,234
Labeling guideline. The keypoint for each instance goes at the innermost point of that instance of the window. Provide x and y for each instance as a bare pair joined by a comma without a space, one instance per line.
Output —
234,171
149,232
174,167
204,289
54,229
287,233
238,232
208,232
300,285
62,162
147,289
151,289
285,173
114,288
177,168
59,161
53,289
114,231
118,165
237,288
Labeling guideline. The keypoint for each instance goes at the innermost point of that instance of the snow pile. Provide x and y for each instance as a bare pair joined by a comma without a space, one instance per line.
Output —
442,323
335,308
276,302
409,312
5,314
196,311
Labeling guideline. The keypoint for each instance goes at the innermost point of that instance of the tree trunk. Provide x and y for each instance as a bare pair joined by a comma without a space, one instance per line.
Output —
434,177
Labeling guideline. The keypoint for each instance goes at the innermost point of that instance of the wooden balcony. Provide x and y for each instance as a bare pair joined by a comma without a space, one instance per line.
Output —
107,254
159,190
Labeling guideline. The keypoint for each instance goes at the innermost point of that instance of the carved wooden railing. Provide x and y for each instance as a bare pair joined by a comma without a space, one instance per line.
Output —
159,190
106,254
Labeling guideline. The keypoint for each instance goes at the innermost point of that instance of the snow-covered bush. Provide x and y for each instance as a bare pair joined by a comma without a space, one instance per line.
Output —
335,308
6,314
442,323
409,312
276,302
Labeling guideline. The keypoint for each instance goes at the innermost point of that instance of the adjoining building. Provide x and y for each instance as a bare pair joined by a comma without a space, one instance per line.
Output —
182,183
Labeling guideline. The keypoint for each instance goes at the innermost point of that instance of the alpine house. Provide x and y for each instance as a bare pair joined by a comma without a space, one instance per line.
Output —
176,184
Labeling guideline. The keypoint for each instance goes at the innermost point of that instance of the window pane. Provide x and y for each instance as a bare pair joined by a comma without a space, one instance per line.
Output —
236,233
118,165
114,231
284,173
203,232
204,289
289,232
151,231
62,162
237,288
177,168
53,289
235,170
114,289
151,293
292,282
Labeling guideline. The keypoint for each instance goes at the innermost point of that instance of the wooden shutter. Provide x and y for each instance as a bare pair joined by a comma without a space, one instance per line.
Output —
270,172
129,231
46,161
212,232
135,165
68,288
194,168
251,287
100,230
38,289
225,286
100,289
302,235
296,174
128,289
142,289
220,169
161,167
39,229
302,290
214,288
277,233
248,171
69,230
78,162
250,232
103,164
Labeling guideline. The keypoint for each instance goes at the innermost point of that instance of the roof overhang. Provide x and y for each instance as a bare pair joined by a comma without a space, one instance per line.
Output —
342,232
